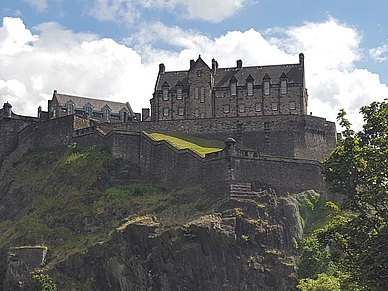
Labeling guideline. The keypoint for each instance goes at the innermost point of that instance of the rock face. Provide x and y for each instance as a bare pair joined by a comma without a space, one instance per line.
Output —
245,245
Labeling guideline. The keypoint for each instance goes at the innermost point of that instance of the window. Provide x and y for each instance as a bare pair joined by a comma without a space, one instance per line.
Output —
226,108
241,108
283,87
274,106
165,94
203,115
196,113
267,126
70,108
196,93
199,73
165,112
181,111
250,88
88,111
202,95
179,93
266,88
258,107
292,105
106,114
124,116
233,88
54,112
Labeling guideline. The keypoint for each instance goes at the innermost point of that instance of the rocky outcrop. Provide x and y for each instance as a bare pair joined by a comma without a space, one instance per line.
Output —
245,245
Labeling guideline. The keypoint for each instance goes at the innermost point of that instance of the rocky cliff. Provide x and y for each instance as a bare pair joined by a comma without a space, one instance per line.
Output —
106,230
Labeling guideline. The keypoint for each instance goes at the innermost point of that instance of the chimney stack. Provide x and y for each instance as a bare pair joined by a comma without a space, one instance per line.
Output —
7,112
239,64
162,68
214,66
192,63
301,60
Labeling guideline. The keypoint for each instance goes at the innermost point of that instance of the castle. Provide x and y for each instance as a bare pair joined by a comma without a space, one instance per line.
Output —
263,109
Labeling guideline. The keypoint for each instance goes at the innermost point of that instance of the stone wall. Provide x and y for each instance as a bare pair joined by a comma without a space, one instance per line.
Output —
9,129
305,137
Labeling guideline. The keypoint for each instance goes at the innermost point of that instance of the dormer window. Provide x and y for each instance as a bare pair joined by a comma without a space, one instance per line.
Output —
250,88
124,115
283,84
165,94
250,85
106,114
70,108
267,84
266,88
179,87
179,93
233,86
283,87
88,110
165,89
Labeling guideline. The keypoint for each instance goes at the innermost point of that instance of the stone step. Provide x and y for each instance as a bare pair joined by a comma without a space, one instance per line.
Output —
242,196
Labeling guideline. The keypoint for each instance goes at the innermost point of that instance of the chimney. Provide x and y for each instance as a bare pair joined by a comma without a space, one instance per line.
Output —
192,63
162,68
239,64
145,114
301,60
7,113
214,66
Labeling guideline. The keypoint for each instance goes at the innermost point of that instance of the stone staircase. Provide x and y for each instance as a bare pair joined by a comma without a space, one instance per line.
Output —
242,191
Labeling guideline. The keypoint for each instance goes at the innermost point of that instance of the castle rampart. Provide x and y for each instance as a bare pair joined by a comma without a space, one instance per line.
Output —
305,137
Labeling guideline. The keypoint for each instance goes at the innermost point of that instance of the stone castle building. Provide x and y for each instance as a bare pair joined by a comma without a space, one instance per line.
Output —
100,110
204,92
264,109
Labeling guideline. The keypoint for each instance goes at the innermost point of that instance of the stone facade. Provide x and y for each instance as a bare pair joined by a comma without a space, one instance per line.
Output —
204,92
95,109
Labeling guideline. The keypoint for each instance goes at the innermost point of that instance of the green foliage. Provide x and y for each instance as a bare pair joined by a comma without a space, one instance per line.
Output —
43,282
324,282
357,170
315,258
245,238
187,231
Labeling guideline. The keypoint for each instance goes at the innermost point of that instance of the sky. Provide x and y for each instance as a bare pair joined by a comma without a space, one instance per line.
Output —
111,49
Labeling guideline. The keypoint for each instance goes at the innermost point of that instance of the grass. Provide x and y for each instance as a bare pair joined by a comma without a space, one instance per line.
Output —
182,141
78,198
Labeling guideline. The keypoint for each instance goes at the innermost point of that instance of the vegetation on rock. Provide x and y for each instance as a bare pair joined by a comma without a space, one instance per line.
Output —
351,245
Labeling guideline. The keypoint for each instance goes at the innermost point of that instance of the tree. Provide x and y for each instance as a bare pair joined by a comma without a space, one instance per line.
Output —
358,171
43,282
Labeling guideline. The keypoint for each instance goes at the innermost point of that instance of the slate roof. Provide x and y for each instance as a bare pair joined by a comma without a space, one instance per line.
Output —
294,73
97,104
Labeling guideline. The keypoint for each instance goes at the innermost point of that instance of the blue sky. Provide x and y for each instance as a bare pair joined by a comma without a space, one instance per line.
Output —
111,48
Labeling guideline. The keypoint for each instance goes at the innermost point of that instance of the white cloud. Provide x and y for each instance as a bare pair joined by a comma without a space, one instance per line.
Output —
127,11
84,64
331,50
379,53
39,5
14,38
79,64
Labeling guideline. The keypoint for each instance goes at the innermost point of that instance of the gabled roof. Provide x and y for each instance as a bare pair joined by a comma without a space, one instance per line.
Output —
293,72
97,104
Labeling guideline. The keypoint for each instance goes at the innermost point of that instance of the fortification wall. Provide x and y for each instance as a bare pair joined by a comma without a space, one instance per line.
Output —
9,129
306,137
